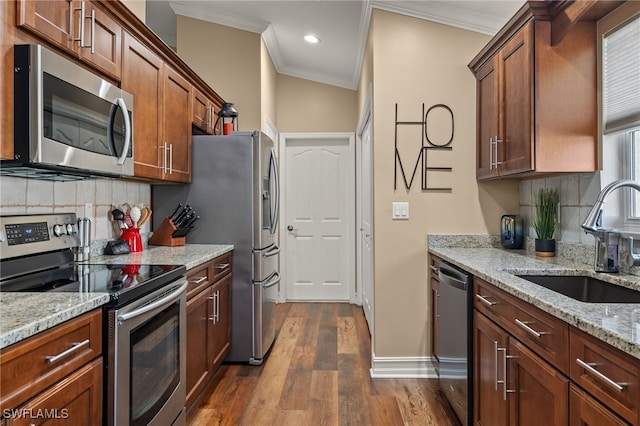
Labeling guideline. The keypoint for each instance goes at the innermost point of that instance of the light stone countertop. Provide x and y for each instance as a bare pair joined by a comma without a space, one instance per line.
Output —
25,314
190,255
615,323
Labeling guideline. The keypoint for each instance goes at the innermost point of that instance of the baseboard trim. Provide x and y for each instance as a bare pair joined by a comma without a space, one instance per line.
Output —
402,368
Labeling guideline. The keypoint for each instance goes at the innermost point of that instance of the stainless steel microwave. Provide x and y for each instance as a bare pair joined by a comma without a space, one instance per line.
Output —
69,123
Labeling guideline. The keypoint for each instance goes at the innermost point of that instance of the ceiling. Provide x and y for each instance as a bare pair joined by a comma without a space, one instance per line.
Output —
341,25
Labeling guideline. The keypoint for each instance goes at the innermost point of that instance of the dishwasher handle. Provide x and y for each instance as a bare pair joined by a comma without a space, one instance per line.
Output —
450,276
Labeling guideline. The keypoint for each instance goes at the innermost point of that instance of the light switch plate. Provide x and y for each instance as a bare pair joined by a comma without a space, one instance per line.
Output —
400,210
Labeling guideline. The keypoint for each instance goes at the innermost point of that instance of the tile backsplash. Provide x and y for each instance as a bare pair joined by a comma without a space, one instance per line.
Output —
577,192
88,198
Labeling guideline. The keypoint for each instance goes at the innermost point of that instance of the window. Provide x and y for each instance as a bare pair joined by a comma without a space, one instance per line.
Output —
633,172
619,73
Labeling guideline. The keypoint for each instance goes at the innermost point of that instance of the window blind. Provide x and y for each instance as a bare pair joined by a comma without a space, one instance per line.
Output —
621,78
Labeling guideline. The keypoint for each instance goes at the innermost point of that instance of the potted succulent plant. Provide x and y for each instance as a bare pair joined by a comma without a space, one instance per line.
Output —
546,221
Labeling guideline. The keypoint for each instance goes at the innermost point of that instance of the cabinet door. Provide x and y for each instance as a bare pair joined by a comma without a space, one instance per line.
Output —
202,111
538,393
516,135
177,130
488,104
143,78
222,324
103,41
77,399
52,20
490,405
586,411
199,310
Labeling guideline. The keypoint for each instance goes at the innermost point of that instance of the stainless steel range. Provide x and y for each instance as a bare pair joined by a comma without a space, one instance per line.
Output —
145,319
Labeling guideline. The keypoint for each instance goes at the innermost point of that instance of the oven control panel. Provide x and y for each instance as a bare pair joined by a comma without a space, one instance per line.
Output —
22,235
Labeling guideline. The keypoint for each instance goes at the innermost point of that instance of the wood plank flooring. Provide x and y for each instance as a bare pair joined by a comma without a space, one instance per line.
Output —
318,374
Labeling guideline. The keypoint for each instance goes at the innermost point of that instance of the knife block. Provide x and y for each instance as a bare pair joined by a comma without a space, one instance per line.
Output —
163,235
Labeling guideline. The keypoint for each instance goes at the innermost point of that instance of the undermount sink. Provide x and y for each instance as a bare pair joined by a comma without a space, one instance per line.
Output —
585,289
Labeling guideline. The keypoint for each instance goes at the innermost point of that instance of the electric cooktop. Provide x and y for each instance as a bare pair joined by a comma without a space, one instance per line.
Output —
124,283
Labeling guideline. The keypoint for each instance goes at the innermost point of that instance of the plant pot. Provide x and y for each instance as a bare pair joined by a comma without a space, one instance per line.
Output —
545,248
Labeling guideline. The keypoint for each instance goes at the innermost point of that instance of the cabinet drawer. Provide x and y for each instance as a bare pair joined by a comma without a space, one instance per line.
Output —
31,366
75,400
221,266
199,278
607,373
584,410
546,335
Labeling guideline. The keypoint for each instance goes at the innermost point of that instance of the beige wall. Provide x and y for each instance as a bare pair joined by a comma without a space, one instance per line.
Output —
138,7
268,86
227,59
308,106
415,62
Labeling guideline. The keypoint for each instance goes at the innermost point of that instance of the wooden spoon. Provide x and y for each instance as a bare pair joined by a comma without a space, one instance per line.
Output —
145,214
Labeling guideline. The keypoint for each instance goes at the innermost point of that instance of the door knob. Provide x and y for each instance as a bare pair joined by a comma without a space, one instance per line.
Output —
289,228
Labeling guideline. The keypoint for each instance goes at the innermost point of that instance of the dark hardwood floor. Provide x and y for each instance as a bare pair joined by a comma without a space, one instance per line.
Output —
318,374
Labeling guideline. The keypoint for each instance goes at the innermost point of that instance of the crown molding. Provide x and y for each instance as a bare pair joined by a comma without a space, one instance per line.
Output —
206,12
447,14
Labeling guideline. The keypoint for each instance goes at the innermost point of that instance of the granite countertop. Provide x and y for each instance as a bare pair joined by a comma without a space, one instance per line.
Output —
190,255
615,323
24,314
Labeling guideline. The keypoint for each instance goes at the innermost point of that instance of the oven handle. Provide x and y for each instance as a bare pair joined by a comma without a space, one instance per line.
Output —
166,300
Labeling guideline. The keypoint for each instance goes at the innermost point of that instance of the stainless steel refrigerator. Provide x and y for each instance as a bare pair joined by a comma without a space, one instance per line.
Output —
235,191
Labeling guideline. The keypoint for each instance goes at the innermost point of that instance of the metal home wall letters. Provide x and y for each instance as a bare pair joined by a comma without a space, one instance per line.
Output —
427,145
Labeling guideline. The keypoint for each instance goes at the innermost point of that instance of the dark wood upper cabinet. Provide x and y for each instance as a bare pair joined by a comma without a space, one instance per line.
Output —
537,102
79,27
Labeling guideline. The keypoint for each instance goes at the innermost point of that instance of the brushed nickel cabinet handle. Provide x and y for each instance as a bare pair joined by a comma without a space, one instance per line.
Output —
589,368
486,301
495,351
74,347
198,280
434,269
525,325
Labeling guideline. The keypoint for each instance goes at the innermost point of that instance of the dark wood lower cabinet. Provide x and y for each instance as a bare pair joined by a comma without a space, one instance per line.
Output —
523,378
222,321
490,404
537,392
208,324
199,343
77,400
513,385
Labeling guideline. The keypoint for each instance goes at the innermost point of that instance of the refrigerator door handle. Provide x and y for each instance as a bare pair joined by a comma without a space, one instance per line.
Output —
275,279
273,163
274,251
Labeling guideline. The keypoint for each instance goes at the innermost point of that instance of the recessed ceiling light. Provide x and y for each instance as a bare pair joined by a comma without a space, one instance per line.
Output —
310,38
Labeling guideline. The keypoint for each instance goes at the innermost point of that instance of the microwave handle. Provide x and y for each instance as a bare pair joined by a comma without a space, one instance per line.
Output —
127,130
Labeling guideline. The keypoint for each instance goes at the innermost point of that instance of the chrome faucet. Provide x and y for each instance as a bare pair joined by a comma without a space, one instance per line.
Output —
607,239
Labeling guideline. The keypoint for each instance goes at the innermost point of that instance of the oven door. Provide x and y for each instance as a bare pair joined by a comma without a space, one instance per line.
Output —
146,359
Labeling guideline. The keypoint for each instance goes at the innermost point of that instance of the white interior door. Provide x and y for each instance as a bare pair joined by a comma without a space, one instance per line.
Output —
366,225
319,212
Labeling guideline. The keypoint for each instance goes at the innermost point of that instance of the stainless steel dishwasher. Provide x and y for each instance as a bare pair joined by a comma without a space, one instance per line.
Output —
454,307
